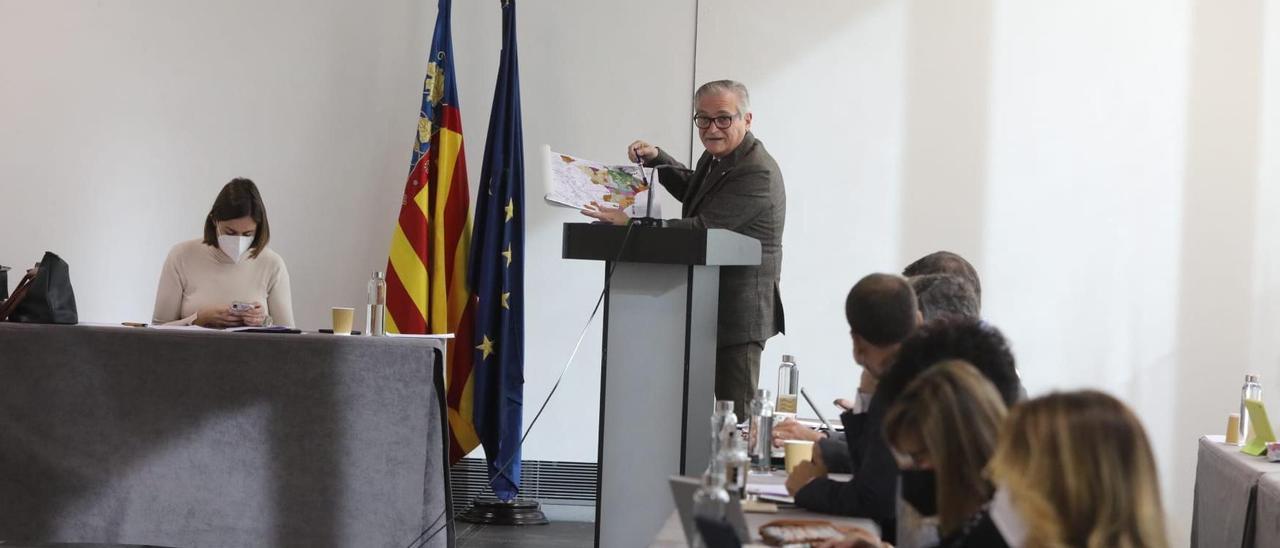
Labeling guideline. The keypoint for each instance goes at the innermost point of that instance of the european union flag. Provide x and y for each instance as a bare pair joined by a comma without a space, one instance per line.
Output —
497,277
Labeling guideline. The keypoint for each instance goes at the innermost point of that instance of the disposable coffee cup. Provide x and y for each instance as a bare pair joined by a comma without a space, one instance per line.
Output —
795,452
343,317
1233,429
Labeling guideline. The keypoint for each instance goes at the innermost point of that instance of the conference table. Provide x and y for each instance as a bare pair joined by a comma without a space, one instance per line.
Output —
191,438
1237,498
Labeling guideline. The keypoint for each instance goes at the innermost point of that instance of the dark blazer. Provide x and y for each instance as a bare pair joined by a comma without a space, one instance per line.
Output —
742,192
873,491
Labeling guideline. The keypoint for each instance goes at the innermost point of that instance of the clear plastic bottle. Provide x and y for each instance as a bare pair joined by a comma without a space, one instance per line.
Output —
760,433
736,461
1251,390
788,387
375,313
718,420
710,501
723,414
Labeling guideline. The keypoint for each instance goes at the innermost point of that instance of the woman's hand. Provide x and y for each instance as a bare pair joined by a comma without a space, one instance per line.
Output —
254,317
218,318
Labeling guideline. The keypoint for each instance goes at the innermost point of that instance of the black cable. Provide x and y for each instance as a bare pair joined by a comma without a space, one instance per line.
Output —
594,311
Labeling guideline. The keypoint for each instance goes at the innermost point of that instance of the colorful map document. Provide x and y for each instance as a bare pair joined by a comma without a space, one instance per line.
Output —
576,182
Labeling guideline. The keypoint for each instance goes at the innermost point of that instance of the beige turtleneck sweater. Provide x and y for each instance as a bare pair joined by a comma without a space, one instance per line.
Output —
198,276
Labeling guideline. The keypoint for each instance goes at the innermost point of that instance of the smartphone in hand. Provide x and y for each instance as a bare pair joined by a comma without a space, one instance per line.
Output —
239,307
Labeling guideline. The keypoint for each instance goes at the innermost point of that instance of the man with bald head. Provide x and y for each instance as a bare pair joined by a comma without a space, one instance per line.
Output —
882,313
736,186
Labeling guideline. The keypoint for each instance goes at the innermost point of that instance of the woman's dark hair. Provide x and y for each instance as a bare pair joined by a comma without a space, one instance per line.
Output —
239,198
953,338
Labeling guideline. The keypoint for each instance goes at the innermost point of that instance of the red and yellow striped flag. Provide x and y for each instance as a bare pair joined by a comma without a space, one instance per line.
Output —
427,269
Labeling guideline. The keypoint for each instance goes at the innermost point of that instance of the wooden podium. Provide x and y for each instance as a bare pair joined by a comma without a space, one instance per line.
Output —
657,370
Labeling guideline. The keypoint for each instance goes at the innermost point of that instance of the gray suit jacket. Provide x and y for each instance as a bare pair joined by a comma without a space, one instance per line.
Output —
742,192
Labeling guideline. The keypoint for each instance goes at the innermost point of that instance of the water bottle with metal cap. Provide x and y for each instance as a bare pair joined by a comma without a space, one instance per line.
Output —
1251,390
760,434
375,313
788,386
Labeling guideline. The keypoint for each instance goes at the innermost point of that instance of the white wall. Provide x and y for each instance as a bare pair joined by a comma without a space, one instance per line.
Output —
120,121
1104,164
1109,167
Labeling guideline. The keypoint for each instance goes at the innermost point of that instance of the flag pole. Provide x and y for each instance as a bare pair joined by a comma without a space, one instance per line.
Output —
497,279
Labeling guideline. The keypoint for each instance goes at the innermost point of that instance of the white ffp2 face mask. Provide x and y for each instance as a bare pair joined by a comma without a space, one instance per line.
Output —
234,247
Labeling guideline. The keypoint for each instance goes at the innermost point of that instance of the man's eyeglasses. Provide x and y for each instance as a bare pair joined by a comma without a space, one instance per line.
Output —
722,122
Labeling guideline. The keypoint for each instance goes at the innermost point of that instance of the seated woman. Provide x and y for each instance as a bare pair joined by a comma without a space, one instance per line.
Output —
1058,457
943,430
229,278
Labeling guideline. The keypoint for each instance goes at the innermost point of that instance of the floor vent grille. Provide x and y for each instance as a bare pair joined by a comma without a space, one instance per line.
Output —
548,482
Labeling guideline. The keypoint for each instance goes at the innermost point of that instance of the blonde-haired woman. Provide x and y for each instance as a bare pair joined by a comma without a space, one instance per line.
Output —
943,430
1075,469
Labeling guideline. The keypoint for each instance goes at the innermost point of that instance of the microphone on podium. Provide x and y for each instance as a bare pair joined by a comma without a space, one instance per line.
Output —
649,219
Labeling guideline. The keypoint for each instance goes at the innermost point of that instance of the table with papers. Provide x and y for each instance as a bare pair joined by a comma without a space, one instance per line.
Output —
766,486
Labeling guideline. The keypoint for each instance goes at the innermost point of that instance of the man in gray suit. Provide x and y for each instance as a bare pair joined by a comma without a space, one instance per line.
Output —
736,186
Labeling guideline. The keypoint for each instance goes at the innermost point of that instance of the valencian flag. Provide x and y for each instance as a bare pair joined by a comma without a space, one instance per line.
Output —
497,277
427,268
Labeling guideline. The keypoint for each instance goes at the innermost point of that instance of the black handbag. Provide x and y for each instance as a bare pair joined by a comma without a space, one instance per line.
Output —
44,296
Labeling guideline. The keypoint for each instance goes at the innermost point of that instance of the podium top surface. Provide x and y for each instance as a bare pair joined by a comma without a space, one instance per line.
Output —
687,246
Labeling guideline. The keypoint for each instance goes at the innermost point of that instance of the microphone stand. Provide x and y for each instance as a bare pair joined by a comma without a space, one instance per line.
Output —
648,219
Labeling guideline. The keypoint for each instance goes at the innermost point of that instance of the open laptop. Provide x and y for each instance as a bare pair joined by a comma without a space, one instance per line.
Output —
682,490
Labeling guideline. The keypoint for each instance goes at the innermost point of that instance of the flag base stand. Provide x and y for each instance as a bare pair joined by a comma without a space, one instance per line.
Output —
496,512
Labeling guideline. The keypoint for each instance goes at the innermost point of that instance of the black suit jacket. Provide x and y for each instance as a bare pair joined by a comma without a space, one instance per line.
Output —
873,491
742,192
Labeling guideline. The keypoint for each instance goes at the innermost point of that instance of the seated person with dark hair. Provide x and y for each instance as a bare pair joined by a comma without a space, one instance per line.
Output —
937,295
968,339
946,262
965,339
945,295
882,312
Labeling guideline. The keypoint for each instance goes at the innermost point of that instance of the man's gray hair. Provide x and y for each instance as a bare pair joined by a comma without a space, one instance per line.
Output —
941,295
725,86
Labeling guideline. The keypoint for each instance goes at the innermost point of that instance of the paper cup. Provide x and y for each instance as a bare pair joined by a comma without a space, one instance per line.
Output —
795,452
343,317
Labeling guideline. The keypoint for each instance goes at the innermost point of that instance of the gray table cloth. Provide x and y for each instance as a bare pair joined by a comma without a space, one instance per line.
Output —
1267,521
1224,509
190,439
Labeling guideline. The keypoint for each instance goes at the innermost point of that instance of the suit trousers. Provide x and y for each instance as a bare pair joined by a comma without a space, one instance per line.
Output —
737,369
